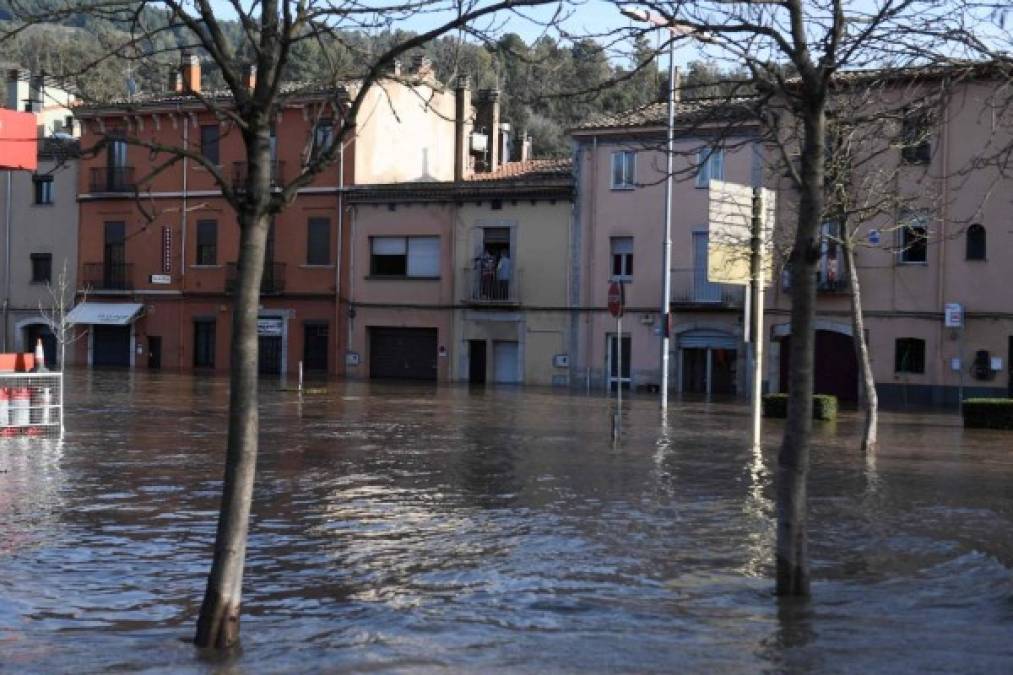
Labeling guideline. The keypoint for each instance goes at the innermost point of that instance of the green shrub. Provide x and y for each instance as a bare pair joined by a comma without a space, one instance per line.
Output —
988,413
824,406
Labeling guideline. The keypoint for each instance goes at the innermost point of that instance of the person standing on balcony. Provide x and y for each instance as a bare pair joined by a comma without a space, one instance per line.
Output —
503,270
487,270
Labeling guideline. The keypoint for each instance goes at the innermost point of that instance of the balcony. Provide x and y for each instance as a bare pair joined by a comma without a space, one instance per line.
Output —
112,179
829,279
691,288
272,283
486,290
240,171
107,276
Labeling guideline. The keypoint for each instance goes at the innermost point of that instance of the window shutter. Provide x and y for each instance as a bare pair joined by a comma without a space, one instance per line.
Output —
424,257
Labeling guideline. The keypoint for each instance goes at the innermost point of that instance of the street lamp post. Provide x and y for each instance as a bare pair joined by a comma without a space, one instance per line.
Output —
666,276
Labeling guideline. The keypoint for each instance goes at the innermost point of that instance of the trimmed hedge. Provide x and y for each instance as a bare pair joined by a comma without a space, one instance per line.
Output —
824,406
987,413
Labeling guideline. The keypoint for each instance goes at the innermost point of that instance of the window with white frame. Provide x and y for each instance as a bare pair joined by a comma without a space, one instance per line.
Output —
622,258
414,257
913,236
710,166
624,169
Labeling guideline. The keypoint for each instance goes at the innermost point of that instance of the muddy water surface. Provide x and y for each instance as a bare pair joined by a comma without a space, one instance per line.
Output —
409,527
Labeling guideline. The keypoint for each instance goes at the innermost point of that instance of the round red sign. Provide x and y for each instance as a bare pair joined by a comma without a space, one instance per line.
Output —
616,300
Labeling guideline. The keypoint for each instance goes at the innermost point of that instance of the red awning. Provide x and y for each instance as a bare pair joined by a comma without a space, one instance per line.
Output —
18,141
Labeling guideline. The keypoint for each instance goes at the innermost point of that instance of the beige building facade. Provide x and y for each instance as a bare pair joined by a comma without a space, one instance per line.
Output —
940,245
463,280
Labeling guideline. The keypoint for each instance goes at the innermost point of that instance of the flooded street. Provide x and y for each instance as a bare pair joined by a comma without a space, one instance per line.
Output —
421,528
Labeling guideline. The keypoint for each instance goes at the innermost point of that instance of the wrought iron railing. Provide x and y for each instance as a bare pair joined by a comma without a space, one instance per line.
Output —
112,179
108,276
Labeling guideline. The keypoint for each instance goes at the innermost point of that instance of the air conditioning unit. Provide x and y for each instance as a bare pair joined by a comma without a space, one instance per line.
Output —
647,319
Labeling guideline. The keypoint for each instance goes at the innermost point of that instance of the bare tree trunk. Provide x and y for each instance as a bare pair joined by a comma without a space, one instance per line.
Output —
861,347
793,460
218,623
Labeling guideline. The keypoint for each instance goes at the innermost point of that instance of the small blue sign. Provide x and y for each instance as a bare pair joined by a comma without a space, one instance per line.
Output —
874,237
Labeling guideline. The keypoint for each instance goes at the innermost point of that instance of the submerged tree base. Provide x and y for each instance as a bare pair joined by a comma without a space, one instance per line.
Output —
218,624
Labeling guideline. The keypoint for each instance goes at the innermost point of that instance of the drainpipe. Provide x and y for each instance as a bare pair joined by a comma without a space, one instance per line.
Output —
942,241
7,260
182,235
337,262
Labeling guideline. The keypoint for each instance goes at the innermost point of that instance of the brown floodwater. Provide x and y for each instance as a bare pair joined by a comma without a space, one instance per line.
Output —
418,528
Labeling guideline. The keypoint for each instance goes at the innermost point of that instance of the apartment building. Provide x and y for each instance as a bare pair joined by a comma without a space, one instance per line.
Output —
38,221
937,250
158,252
464,280
620,168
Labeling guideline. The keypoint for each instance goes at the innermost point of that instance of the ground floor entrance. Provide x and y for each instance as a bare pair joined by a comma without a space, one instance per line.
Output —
707,370
707,361
836,365
506,362
110,346
40,331
402,353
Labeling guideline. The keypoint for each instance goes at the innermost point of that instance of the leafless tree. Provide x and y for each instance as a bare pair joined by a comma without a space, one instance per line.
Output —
264,35
54,313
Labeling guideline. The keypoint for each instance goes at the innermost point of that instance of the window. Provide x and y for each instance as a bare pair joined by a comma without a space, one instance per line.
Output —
209,134
43,188
42,268
318,242
711,166
417,257
622,257
909,355
624,169
916,148
914,233
204,343
207,242
323,132
976,242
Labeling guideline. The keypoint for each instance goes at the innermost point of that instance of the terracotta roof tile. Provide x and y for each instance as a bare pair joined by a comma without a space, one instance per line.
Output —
532,168
686,112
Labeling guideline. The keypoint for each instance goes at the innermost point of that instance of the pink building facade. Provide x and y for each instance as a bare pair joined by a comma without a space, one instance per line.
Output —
942,248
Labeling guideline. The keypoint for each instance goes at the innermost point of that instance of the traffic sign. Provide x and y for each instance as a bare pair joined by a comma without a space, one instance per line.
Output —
616,299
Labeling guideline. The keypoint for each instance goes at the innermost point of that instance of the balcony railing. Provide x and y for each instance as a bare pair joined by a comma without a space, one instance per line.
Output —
828,280
241,170
112,179
108,276
272,283
487,289
690,287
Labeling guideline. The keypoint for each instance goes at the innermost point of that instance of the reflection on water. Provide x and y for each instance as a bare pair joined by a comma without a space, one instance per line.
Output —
413,527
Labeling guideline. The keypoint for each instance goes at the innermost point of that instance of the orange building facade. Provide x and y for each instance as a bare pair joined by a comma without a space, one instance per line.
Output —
158,246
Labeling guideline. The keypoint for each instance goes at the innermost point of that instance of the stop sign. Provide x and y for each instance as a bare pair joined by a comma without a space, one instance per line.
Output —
616,299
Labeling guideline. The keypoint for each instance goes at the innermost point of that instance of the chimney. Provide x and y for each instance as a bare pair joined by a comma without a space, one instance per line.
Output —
677,85
422,66
462,111
189,67
487,118
525,148
249,76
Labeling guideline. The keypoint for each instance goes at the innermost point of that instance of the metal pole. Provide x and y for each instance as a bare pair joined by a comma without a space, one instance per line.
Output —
666,270
7,260
617,418
756,313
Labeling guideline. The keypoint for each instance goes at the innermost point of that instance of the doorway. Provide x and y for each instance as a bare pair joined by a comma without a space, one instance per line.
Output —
40,331
476,361
154,352
1009,368
708,370
315,346
110,346
505,362
835,365
613,362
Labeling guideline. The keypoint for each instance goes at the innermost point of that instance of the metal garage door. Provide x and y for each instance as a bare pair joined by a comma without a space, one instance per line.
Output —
111,346
405,353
